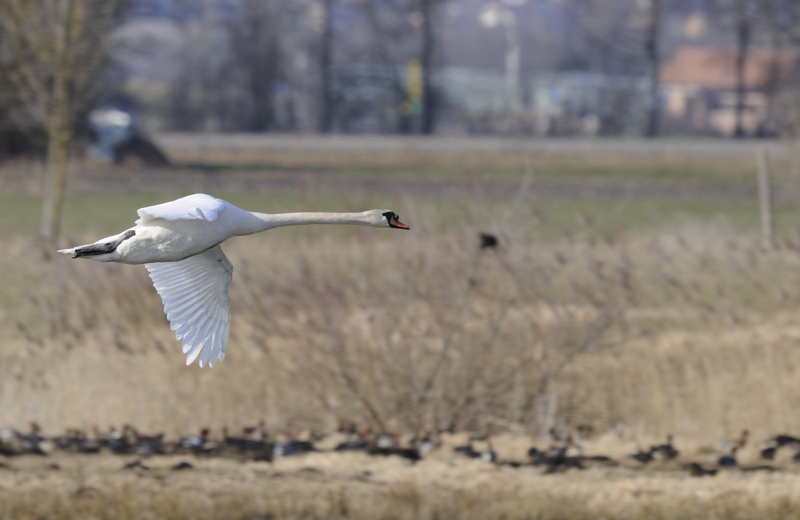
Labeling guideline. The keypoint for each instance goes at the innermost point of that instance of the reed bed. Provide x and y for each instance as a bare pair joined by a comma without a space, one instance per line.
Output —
689,331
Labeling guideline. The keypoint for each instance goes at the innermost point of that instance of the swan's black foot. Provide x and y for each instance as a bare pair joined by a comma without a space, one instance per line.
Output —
102,249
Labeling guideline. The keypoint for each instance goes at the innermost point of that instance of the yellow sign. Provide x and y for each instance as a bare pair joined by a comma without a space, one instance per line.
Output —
414,86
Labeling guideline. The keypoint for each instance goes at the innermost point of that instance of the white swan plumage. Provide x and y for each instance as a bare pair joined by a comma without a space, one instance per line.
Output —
179,244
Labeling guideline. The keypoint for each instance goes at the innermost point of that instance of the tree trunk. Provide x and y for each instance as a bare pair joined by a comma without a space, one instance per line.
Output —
54,191
764,197
58,127
325,53
426,59
512,63
743,44
653,61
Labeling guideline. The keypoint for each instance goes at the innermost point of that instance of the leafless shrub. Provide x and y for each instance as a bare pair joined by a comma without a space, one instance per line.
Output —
435,335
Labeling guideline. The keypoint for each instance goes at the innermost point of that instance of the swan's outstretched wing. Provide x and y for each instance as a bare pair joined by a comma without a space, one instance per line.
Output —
195,296
197,206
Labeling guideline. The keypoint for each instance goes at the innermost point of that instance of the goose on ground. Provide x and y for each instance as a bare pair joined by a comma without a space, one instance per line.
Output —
729,460
389,444
557,458
428,443
468,450
198,444
149,444
256,433
784,440
664,451
359,441
489,455
776,443
768,453
291,446
696,470
643,456
535,454
92,442
179,244
245,442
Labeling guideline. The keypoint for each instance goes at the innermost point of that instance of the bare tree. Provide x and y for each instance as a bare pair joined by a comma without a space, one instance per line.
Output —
203,72
399,47
743,35
619,37
783,27
255,52
782,19
391,35
653,58
428,11
59,48
326,68
746,19
603,36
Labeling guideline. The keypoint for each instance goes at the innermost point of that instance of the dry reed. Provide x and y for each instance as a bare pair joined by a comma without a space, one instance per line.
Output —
689,332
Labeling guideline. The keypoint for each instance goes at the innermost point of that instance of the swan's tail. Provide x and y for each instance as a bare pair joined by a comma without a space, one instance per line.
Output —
101,248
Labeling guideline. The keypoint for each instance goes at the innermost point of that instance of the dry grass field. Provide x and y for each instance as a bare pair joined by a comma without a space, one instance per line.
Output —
354,486
639,317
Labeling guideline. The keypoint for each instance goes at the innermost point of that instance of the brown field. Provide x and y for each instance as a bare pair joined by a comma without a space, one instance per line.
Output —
685,325
344,486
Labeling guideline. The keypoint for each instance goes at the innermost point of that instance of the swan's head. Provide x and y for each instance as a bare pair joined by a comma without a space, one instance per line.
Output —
385,218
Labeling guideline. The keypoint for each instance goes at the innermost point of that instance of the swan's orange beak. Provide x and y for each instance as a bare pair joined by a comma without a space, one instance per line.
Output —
393,222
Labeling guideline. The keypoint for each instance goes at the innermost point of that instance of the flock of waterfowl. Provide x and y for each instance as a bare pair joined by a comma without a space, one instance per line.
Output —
255,443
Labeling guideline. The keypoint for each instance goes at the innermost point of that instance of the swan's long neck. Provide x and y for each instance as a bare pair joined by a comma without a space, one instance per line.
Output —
265,221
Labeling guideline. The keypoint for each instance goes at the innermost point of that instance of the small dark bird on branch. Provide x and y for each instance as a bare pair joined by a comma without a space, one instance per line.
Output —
488,241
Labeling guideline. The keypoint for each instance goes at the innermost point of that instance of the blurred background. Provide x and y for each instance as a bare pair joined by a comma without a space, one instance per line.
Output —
604,198
513,67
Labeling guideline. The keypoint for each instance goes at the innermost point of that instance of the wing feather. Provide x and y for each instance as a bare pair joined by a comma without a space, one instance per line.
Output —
198,206
188,304
223,344
194,292
221,332
179,288
194,351
196,335
207,347
215,350
189,324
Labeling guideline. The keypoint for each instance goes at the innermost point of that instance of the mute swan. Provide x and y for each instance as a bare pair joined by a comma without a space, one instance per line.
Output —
179,244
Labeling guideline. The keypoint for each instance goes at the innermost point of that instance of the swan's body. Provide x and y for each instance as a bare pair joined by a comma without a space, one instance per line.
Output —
178,243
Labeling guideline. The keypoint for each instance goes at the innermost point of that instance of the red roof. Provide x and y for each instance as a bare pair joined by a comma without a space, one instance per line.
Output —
716,68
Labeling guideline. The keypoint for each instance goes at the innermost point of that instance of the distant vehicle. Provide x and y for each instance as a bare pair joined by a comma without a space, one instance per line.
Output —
117,139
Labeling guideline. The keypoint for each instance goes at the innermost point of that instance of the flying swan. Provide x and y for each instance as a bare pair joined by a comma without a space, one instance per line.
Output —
179,244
